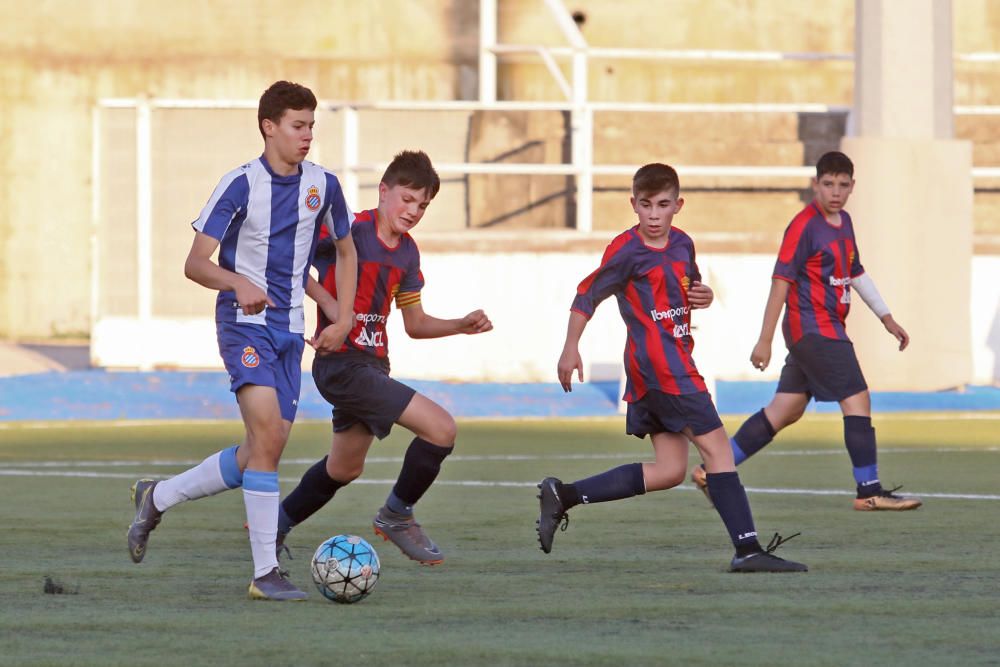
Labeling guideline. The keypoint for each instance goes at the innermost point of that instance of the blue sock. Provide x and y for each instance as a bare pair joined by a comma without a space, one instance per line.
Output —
621,482
730,499
229,468
859,436
751,437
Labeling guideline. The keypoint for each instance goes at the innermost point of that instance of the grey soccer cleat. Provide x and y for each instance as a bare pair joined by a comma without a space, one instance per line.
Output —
551,512
275,586
406,533
146,518
765,560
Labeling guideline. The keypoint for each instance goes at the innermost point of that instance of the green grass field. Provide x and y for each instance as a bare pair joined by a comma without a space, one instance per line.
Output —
641,581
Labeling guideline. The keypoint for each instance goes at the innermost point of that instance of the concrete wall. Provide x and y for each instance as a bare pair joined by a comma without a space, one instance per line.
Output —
60,57
527,295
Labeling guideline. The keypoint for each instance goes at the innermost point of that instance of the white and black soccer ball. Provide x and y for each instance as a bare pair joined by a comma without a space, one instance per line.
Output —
345,568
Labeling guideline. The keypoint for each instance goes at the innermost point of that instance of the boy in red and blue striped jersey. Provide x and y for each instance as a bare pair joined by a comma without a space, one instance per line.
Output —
818,265
354,377
652,272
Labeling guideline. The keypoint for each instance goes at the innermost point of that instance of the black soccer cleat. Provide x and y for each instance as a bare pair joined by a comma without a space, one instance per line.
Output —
551,513
147,517
765,560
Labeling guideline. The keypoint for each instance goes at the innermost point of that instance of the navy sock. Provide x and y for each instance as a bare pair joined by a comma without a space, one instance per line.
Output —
731,503
859,436
621,482
751,437
421,466
315,489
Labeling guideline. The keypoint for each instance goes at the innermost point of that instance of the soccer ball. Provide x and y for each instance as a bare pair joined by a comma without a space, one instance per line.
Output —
345,568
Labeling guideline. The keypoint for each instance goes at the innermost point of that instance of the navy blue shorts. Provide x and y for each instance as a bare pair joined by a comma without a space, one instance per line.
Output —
823,368
361,392
657,412
264,356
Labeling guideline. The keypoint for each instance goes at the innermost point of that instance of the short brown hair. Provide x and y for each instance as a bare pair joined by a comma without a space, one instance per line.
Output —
412,169
834,163
655,177
281,96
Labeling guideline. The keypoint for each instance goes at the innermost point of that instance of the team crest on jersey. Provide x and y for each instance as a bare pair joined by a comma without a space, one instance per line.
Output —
250,357
312,198
850,259
685,283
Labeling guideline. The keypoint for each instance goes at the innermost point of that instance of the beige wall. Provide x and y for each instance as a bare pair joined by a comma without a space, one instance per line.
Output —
59,57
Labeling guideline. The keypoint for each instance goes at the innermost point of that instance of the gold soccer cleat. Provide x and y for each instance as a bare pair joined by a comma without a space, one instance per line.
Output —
887,501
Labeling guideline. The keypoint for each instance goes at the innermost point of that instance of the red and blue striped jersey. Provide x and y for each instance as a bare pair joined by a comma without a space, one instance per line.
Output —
818,259
384,274
651,286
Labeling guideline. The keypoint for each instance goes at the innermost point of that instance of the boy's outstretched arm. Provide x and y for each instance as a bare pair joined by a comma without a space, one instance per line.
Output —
330,308
346,275
570,359
865,287
761,355
326,302
419,324
896,330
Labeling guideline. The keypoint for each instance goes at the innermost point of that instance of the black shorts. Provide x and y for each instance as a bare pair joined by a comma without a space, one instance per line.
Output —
361,392
657,412
823,368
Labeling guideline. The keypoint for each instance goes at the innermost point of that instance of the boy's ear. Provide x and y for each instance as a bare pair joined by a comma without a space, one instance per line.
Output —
631,200
680,204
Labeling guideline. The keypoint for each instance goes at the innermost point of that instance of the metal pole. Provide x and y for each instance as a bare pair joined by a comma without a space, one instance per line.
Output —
95,219
349,177
144,217
487,58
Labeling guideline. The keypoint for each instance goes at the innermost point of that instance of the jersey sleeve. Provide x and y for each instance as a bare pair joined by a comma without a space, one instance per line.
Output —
411,283
855,268
337,218
227,203
695,271
610,277
795,250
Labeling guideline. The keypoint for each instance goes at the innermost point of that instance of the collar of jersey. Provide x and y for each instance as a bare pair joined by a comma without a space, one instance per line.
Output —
294,178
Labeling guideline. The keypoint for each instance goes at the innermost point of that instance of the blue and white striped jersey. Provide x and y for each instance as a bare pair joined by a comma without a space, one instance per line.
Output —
267,227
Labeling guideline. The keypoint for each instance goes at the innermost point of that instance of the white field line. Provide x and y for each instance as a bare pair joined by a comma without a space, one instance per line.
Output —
923,415
487,483
126,463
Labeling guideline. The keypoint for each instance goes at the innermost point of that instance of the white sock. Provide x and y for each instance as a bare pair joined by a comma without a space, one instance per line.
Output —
218,473
261,497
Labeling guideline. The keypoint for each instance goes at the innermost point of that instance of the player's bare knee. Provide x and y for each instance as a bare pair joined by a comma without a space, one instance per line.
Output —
344,471
662,478
444,432
789,419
